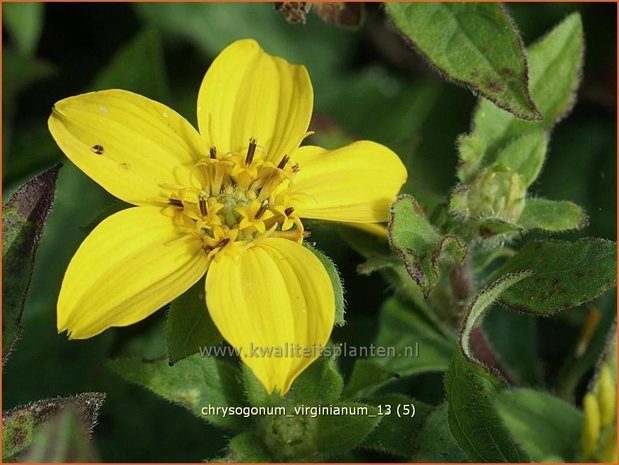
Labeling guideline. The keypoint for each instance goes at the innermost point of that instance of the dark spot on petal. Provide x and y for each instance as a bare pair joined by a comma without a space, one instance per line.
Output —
97,149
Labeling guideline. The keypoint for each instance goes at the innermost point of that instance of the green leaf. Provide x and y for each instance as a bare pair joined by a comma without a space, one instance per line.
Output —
336,282
542,424
474,44
367,376
193,383
246,447
471,389
24,22
434,441
189,326
321,382
337,434
138,66
473,419
555,64
525,155
63,438
419,244
23,220
419,345
564,274
21,423
481,302
395,433
553,216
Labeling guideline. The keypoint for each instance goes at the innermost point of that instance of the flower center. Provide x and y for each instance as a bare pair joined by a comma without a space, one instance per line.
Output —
235,199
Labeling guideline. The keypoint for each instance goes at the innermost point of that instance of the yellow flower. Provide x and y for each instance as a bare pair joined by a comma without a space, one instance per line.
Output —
228,200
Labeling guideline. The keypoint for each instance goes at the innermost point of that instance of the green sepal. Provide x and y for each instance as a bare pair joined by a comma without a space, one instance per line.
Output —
336,282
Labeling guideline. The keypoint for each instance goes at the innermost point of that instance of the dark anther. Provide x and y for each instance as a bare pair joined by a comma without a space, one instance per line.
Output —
202,203
175,203
288,211
262,209
282,163
213,153
251,150
222,243
98,149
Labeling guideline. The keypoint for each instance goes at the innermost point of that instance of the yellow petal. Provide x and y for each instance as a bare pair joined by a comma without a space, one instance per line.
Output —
128,144
272,298
128,267
248,93
353,184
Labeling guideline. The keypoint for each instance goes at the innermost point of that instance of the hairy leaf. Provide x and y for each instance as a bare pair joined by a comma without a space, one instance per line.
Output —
525,155
553,216
395,433
419,244
542,425
21,423
471,389
473,419
337,434
434,442
23,220
63,438
475,44
481,302
193,383
555,64
564,274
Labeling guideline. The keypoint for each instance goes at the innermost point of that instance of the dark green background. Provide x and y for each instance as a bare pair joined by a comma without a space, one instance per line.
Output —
367,85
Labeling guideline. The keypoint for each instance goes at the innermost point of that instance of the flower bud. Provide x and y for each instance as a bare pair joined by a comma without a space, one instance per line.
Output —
290,437
591,426
607,397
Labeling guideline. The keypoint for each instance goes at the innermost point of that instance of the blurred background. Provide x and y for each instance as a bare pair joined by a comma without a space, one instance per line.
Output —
367,85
